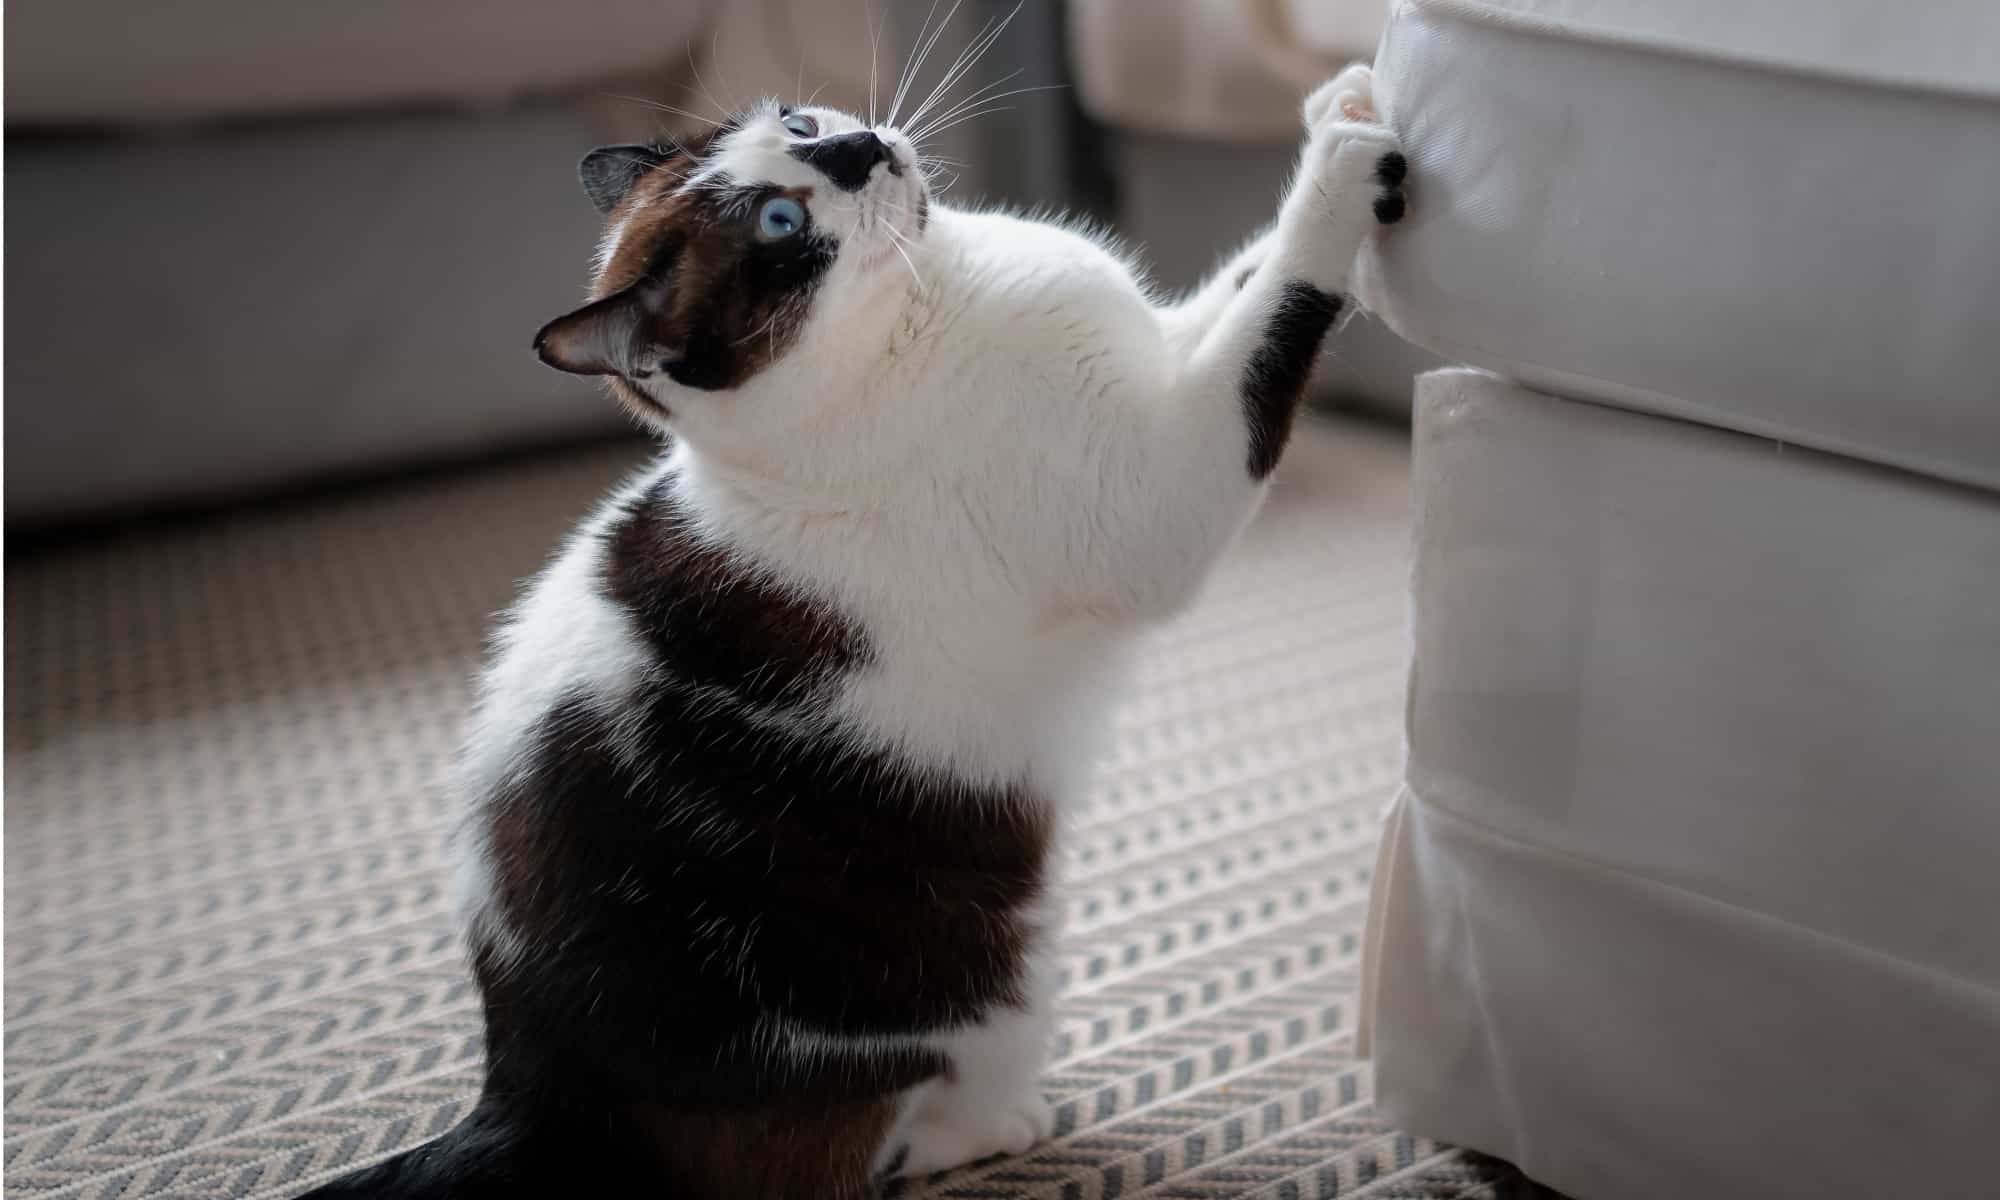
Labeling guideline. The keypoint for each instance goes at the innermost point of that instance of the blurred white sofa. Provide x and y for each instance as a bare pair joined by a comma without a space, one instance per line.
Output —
1691,886
250,246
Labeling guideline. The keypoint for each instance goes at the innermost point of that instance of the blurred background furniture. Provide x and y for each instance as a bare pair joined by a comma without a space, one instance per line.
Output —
323,237
255,247
1689,889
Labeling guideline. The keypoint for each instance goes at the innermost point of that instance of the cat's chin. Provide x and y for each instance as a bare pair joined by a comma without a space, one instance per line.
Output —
880,258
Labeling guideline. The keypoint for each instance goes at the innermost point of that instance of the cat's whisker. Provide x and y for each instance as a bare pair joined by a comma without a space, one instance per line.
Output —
927,41
960,116
984,112
911,60
759,331
896,242
715,59
967,59
874,54
978,94
701,83
665,108
976,108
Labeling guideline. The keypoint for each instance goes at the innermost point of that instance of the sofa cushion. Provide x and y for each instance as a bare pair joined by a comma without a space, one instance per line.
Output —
123,62
1774,217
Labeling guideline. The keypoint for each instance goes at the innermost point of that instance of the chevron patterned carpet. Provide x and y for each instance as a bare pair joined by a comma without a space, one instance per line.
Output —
229,968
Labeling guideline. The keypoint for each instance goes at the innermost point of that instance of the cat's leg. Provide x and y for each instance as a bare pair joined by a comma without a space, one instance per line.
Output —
1189,467
1188,319
989,1103
1264,338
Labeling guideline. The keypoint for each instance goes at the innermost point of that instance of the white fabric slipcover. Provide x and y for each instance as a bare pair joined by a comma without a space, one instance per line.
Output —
1776,217
1690,890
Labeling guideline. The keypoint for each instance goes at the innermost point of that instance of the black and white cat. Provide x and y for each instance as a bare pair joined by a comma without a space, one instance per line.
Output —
770,764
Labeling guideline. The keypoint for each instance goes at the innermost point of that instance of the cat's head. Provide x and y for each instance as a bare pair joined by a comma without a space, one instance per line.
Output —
720,249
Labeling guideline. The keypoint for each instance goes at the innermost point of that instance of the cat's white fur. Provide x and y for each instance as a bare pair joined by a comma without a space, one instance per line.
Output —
994,449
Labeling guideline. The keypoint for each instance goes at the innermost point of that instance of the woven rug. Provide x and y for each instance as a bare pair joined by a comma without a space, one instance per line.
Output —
229,966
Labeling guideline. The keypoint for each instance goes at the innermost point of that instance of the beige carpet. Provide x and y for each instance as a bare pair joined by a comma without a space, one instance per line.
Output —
229,969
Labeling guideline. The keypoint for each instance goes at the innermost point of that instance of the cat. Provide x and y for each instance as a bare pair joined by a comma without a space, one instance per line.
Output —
767,772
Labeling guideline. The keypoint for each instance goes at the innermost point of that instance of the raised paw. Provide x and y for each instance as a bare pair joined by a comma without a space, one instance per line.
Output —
1349,181
940,1140
1342,111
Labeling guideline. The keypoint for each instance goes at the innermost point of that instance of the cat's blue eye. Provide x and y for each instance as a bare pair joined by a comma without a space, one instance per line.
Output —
780,217
800,125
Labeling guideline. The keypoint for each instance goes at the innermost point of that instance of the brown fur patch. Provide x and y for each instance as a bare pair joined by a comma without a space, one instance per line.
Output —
733,304
781,1150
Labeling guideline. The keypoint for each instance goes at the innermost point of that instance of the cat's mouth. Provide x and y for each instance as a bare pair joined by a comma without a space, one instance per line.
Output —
894,209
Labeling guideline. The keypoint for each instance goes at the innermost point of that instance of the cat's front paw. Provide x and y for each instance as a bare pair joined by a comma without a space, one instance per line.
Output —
1349,147
940,1140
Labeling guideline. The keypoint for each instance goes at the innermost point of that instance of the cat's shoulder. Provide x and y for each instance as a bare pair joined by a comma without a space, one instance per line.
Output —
1043,243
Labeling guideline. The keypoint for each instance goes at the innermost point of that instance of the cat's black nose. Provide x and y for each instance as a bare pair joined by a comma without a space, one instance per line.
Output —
847,158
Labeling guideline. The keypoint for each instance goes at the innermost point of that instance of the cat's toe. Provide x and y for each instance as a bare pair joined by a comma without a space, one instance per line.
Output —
942,1141
895,1161
1037,1120
1348,96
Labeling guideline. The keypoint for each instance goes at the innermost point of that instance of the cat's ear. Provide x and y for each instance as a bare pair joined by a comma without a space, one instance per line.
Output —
611,336
608,172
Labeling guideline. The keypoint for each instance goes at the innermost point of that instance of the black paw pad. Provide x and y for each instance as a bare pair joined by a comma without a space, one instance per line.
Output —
1389,172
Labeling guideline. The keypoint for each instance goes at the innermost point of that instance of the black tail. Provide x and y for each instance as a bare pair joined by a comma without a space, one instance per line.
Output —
511,1152
487,1156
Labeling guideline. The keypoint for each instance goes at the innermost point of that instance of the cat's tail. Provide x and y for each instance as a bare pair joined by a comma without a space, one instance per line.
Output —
493,1154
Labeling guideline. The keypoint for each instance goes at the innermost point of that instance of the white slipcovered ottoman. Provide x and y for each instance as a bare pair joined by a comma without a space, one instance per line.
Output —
1693,888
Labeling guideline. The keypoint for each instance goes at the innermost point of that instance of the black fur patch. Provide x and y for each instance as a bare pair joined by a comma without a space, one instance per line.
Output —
718,621
680,891
1276,374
